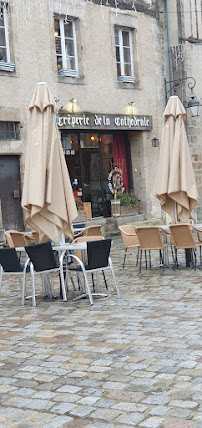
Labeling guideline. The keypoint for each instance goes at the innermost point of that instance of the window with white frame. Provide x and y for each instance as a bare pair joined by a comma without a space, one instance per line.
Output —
66,47
124,55
4,43
5,63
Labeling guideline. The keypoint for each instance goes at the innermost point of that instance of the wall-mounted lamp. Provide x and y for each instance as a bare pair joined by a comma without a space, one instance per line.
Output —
56,102
73,101
193,103
155,142
132,106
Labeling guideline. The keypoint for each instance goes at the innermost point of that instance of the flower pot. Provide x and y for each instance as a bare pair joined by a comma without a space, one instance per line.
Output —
129,210
115,208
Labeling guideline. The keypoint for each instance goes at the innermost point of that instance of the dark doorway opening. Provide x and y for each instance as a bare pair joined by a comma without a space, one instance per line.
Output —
11,214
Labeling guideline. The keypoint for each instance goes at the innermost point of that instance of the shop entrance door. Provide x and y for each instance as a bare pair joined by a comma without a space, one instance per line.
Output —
92,188
96,161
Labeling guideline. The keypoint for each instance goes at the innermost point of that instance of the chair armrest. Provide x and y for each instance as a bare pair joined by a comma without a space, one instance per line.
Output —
78,234
198,231
196,228
129,234
29,238
164,231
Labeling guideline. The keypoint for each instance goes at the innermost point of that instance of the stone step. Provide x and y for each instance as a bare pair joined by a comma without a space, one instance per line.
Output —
110,225
136,222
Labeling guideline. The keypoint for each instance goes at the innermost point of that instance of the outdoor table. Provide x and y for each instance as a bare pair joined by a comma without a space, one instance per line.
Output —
82,246
71,247
67,246
20,249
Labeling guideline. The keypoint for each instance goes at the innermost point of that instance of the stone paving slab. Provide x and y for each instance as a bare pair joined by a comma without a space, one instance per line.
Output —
133,361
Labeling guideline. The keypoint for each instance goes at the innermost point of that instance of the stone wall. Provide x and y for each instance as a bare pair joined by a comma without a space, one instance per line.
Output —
187,61
96,89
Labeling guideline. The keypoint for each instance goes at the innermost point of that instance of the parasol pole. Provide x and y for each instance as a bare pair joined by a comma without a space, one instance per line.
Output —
175,211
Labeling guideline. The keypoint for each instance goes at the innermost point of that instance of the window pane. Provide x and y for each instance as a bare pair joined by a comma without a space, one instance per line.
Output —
10,131
67,143
58,45
57,27
1,128
89,140
8,135
69,47
59,62
117,54
106,145
71,63
125,35
1,17
118,69
116,38
127,69
68,29
17,130
3,55
126,54
2,37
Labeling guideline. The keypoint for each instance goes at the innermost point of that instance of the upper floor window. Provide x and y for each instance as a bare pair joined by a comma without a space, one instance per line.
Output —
66,47
124,55
9,131
4,41
5,63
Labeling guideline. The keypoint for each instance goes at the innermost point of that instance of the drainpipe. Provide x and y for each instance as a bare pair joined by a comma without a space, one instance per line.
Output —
169,48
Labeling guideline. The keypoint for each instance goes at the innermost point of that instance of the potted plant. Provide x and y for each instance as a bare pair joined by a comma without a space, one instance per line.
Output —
78,204
81,213
129,203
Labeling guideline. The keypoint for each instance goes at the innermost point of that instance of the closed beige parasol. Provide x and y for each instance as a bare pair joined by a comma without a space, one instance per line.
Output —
47,193
175,184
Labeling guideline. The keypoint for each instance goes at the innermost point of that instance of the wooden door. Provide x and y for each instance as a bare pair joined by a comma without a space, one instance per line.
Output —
10,193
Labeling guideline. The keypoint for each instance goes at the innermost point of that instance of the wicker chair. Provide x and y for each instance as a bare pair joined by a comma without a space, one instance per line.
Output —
150,238
16,239
183,239
130,239
90,231
35,237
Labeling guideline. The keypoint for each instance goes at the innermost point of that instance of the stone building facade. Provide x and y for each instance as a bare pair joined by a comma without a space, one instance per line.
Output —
104,64
185,20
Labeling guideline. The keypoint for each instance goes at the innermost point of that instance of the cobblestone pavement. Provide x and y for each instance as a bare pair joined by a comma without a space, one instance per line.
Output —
133,361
